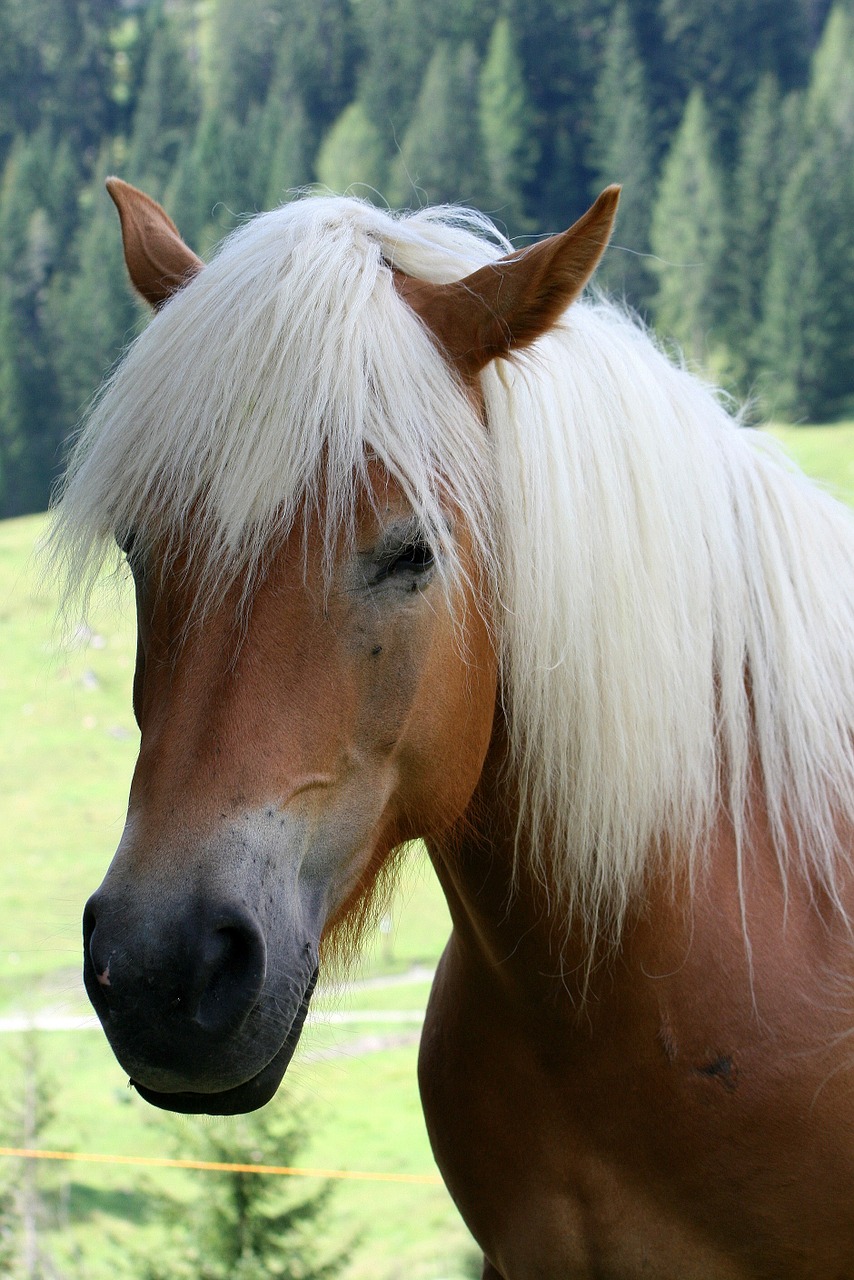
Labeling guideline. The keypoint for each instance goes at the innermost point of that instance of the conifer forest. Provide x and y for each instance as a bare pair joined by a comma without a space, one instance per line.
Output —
730,126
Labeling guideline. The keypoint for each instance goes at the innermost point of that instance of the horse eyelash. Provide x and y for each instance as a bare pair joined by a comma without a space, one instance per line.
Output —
415,556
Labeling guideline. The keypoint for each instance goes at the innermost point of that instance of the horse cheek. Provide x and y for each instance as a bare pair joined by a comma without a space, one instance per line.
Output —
448,728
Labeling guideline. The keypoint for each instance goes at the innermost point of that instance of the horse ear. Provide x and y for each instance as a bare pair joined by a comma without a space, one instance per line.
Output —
507,305
158,261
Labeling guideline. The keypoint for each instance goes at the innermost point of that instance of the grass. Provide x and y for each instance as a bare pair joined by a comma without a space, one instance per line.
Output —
66,755
826,453
416,1233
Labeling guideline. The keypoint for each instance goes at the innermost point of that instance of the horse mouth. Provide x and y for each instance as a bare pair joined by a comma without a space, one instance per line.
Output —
249,1096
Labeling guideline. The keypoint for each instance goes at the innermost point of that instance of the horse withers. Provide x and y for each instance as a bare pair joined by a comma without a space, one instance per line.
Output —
425,546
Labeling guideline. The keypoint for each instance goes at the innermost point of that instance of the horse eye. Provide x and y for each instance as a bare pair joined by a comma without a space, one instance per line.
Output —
414,557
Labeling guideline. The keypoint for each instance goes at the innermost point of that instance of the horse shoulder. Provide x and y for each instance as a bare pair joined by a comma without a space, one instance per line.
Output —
689,1114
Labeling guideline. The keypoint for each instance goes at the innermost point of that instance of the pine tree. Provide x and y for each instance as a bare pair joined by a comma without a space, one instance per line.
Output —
60,195
352,154
809,296
31,425
440,160
244,37
397,39
830,97
77,56
559,44
725,48
91,313
398,45
794,333
281,160
462,21
166,111
689,241
184,197
769,149
23,80
662,72
220,165
26,1210
621,150
317,59
245,1225
506,128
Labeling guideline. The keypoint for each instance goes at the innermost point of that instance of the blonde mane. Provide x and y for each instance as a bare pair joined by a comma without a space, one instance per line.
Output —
673,601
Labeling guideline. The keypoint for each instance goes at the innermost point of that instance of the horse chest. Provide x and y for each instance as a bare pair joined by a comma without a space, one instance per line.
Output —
651,1139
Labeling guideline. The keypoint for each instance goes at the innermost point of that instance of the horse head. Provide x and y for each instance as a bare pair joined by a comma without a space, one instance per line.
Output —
313,715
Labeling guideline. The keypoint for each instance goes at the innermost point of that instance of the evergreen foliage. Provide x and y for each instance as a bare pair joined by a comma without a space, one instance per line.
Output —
27,1208
729,126
89,314
167,109
352,154
557,42
763,166
391,69
809,317
439,158
30,419
317,59
688,236
506,129
723,49
247,1225
243,38
281,161
621,150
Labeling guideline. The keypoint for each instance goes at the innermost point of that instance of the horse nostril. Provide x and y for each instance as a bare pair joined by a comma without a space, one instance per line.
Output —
205,971
231,974
96,968
89,922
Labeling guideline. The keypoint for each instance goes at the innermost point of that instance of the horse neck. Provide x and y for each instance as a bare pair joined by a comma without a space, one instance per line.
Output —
738,914
504,918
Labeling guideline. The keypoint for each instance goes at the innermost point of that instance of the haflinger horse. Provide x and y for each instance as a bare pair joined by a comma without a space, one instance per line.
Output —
427,547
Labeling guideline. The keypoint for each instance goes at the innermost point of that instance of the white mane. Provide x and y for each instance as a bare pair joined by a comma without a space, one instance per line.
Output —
674,601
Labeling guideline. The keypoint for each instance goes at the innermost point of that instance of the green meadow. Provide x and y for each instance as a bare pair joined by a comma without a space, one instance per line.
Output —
826,453
66,754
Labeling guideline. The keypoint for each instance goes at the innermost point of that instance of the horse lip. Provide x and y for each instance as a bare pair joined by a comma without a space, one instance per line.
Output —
249,1096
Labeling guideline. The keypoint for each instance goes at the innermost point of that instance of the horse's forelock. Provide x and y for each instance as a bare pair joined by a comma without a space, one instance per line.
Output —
265,386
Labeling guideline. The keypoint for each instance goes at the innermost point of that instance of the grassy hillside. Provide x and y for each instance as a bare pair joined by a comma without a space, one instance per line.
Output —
66,753
826,453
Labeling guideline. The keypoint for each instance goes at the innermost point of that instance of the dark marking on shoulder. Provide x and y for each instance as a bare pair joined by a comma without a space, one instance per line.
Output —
721,1068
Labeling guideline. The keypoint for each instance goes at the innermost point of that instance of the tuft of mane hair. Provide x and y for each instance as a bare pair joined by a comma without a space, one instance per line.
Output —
673,601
